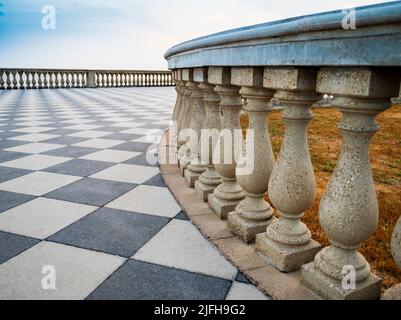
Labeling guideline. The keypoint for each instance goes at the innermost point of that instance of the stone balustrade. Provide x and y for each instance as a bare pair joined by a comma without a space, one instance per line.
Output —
292,63
12,79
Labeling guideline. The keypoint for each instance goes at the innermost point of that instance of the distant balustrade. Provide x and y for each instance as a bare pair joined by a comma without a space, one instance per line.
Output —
292,66
22,79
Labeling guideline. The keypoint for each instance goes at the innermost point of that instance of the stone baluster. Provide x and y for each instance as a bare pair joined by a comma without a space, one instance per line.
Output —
253,214
288,242
210,179
34,82
349,210
183,156
195,167
228,194
21,79
8,80
15,81
178,103
40,81
56,80
2,83
45,80
394,293
183,116
63,79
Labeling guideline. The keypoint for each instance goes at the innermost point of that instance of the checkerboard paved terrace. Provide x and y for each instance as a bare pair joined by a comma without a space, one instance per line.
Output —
79,200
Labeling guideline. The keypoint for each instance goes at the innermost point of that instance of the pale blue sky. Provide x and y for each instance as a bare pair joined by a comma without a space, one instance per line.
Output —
129,34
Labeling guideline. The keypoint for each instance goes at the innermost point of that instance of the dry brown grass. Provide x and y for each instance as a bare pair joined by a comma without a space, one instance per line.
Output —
325,146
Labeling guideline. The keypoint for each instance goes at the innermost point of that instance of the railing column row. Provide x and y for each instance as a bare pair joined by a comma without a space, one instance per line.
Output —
12,79
348,210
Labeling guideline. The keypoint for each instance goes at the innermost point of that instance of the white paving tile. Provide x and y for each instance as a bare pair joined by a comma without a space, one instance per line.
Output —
78,272
35,148
41,217
83,127
35,137
242,291
127,173
38,183
143,131
115,156
35,162
180,245
33,129
149,200
99,143
90,134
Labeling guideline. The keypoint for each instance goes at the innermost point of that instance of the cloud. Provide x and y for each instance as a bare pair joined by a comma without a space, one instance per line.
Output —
130,33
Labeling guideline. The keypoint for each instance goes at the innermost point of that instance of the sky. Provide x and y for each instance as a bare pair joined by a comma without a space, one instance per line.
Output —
128,34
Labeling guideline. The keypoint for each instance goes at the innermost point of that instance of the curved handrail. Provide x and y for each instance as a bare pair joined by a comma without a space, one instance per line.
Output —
372,15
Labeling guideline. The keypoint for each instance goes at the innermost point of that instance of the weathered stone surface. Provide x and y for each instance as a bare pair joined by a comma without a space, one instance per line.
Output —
209,179
329,288
286,258
247,77
228,194
361,82
349,210
187,74
393,293
246,229
280,286
220,206
292,187
396,243
241,254
290,79
212,227
200,75
220,75
259,163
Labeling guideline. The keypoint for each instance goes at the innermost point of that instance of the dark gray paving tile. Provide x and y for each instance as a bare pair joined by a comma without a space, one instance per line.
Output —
12,245
9,156
10,134
91,191
66,140
111,231
5,144
11,173
133,146
122,136
10,200
79,167
141,160
182,216
137,280
242,278
156,181
71,152
63,132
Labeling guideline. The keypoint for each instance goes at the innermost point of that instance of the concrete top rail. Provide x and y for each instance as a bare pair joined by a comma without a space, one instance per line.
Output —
312,40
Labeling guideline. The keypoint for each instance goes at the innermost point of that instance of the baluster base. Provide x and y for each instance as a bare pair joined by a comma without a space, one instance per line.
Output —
206,184
332,289
193,172
284,257
226,198
246,229
393,293
184,163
